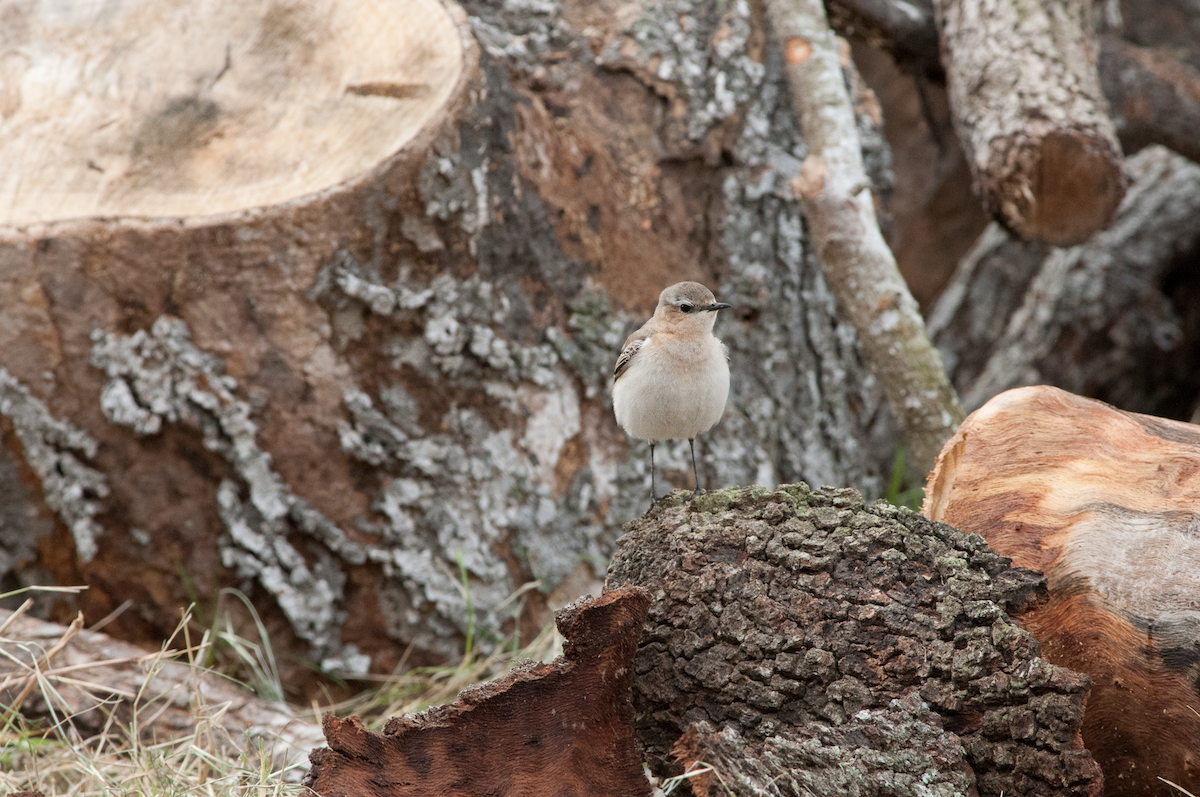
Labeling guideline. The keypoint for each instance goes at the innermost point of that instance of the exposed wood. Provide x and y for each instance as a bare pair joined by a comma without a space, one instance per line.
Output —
255,108
1104,503
1114,318
543,730
1030,115
814,645
346,402
98,679
840,210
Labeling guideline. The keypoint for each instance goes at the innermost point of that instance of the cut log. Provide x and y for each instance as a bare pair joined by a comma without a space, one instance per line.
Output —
1113,318
802,642
345,389
256,108
542,730
1030,115
1104,503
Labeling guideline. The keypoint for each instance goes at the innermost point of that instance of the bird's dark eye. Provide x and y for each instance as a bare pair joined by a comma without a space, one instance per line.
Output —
685,308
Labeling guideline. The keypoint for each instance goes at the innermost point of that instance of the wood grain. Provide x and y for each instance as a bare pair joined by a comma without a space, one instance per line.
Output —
1104,502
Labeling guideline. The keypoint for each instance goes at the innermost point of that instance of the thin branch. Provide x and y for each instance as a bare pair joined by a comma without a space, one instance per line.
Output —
836,197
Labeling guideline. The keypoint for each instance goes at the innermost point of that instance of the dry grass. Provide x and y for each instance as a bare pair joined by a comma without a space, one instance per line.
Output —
47,752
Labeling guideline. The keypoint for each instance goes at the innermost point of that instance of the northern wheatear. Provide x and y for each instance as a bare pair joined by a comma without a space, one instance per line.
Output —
672,377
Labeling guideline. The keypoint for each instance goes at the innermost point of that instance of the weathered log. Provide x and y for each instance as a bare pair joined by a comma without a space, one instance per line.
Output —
1030,115
811,643
345,402
1112,318
1104,503
1153,97
101,685
540,731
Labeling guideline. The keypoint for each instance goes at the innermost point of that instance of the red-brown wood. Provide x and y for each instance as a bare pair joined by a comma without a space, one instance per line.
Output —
1107,504
544,729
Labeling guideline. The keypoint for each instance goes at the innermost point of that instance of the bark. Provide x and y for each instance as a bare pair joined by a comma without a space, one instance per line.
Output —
101,685
1103,502
1154,98
1030,115
843,648
1113,318
540,731
840,211
333,401
1153,91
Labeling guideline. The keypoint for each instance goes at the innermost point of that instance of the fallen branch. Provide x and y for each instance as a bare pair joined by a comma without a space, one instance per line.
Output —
839,208
84,680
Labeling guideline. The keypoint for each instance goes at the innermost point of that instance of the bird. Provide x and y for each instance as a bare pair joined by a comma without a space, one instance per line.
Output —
671,380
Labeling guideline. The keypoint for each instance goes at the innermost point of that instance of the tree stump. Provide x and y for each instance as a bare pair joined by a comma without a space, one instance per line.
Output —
805,643
346,372
1104,503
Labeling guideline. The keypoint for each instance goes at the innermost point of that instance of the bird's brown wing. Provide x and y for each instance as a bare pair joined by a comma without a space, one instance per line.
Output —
632,344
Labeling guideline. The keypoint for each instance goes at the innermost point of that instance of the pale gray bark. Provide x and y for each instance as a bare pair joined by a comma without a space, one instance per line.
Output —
1097,319
1030,114
347,404
839,208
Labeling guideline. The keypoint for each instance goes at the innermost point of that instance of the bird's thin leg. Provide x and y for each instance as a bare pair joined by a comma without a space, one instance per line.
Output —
695,470
653,497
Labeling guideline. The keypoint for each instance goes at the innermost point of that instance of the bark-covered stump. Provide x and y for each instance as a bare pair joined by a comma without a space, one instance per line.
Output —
848,647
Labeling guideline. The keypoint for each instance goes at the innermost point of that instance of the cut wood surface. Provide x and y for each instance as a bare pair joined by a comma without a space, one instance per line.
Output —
139,108
801,642
49,672
543,730
1103,502
1030,114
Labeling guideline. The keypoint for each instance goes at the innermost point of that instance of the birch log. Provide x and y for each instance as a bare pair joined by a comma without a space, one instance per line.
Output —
1030,114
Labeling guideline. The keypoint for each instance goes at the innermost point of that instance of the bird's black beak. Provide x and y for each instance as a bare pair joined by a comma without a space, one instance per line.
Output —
717,306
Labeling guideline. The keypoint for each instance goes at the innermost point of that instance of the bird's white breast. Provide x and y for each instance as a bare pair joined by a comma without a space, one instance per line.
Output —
673,389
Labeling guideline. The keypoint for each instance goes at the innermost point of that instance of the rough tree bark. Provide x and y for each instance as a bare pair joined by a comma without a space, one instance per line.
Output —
335,401
1114,318
840,211
1030,114
806,643
1104,502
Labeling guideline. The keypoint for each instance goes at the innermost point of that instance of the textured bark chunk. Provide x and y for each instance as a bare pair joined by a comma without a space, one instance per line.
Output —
803,643
544,729
1104,502
1031,116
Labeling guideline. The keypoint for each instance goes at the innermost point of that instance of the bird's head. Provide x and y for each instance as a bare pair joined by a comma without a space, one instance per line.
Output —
688,307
